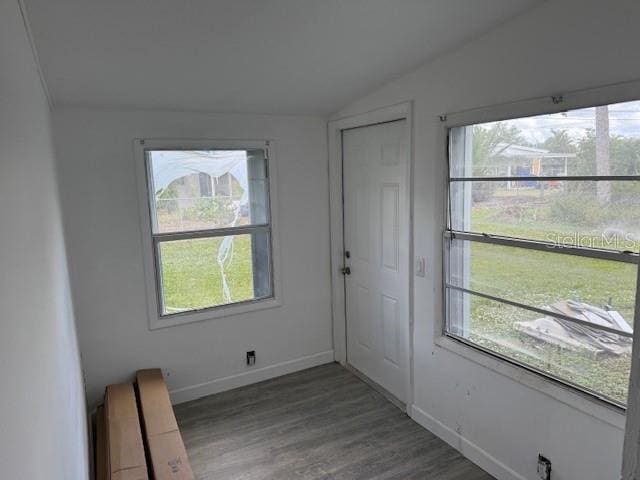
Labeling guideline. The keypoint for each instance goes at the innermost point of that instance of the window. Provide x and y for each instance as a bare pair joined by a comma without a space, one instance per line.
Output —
209,231
542,242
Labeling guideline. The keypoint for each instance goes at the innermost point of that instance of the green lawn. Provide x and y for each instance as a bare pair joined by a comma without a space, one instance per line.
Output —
540,278
191,276
536,279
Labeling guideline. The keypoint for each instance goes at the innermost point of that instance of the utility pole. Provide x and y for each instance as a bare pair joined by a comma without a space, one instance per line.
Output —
603,152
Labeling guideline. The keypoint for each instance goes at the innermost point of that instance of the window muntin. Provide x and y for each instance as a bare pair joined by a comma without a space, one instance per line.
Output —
210,227
543,226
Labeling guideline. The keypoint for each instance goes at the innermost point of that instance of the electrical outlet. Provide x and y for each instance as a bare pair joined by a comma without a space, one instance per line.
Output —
251,358
544,468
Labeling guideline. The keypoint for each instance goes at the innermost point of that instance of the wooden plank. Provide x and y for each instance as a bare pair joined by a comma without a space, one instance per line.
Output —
101,445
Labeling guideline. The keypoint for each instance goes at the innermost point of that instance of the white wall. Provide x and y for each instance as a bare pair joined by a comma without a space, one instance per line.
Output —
561,46
99,199
42,408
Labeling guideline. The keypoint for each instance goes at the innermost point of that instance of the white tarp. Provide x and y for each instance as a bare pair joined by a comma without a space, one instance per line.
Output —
170,165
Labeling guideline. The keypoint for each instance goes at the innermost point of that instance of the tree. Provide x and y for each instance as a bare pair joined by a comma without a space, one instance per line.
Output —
489,143
559,142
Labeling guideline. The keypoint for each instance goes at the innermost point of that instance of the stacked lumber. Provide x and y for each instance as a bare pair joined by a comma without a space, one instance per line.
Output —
579,335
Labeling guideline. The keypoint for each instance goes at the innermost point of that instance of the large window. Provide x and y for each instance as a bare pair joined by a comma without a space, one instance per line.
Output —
542,243
209,229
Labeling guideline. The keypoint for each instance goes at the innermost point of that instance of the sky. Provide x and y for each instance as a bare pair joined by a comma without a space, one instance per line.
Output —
624,120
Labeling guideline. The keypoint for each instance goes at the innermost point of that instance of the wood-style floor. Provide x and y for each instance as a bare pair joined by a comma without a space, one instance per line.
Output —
321,423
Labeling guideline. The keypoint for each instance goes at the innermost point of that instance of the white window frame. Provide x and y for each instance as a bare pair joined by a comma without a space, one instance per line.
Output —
155,319
587,402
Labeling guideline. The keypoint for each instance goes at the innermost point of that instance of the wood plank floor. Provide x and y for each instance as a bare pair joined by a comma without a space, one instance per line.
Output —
321,423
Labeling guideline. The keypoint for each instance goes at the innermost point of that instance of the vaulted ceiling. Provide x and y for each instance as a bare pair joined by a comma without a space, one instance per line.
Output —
259,56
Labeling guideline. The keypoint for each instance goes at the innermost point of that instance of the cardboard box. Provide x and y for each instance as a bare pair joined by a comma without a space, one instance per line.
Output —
137,473
101,445
126,458
169,459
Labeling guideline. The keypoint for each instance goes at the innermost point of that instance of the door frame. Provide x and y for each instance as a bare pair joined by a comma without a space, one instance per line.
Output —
401,111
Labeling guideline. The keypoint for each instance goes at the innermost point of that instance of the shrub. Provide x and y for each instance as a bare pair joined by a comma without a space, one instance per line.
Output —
577,209
483,191
218,210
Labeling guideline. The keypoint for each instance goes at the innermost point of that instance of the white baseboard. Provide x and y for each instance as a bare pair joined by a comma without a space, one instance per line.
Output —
469,449
218,385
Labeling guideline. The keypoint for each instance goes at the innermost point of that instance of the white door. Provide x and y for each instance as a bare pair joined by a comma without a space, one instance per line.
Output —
376,242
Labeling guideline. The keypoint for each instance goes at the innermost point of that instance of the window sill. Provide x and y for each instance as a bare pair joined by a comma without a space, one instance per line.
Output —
588,404
156,322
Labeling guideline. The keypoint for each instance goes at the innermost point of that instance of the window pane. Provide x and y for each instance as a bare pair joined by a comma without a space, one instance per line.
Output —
553,346
590,289
503,197
591,141
566,212
207,189
208,272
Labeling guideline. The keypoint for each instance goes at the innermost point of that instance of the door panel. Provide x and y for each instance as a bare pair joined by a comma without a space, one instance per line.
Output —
389,233
363,313
390,330
376,234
